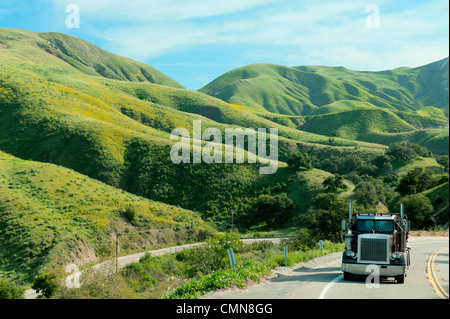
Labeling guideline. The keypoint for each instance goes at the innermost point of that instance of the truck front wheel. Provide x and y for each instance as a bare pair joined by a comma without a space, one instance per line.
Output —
400,279
348,276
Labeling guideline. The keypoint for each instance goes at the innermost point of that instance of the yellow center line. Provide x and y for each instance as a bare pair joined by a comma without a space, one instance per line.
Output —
432,275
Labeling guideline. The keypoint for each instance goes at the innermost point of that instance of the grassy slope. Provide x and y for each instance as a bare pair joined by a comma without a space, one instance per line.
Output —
401,102
79,119
402,168
76,54
276,87
439,199
51,216
116,130
356,124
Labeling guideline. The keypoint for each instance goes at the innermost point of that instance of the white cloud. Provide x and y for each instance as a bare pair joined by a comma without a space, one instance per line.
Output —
306,32
137,11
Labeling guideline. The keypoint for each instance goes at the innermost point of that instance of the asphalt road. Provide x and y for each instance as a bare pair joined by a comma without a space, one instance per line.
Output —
321,278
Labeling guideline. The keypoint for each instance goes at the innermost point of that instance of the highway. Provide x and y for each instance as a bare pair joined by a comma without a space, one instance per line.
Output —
321,278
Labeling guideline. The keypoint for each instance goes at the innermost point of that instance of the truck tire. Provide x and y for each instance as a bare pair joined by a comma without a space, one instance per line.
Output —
400,279
347,276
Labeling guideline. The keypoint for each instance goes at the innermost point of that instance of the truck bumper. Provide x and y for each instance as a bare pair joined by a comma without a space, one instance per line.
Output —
385,270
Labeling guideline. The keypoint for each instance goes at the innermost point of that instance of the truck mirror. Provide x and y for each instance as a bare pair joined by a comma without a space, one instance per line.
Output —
343,224
408,226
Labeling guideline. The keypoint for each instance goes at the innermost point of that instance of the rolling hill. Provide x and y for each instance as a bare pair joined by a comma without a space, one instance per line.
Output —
364,106
63,51
305,90
85,145
51,216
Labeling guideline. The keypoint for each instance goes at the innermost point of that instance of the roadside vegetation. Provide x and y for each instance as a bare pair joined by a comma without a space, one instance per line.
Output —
190,273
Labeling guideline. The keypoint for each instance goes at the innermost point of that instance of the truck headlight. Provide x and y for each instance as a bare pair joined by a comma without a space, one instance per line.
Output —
350,254
396,255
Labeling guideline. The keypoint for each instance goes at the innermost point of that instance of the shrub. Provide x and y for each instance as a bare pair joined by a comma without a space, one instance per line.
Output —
298,160
334,182
211,257
416,181
10,291
130,213
46,284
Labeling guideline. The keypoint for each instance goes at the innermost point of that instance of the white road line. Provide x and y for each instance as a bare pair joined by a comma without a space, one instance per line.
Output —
324,290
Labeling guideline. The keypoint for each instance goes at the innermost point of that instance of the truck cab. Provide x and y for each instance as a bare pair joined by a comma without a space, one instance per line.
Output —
376,239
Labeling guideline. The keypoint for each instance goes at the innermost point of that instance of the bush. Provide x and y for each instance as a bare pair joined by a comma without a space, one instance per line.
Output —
10,291
334,182
271,209
46,284
219,280
416,181
298,160
130,213
407,151
211,257
419,210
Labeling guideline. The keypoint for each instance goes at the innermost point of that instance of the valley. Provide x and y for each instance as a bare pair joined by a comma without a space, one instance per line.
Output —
85,152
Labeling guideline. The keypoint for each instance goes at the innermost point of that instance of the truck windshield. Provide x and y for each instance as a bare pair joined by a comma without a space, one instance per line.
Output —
370,225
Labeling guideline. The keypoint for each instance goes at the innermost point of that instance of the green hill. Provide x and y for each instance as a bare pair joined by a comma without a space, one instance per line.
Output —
32,50
356,124
118,131
52,216
303,90
336,101
85,146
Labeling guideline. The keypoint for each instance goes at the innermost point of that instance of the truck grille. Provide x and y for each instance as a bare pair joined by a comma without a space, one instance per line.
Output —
373,250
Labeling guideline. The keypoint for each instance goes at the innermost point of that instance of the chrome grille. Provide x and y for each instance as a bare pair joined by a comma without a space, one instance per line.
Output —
373,250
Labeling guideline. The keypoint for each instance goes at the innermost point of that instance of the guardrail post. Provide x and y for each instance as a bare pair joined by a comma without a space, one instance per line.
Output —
232,259
285,255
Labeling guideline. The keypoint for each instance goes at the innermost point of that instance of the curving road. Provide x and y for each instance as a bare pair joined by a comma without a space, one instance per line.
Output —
109,266
321,278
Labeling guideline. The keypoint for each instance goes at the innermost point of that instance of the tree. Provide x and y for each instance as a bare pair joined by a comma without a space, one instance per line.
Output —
419,210
443,160
401,151
416,181
325,223
380,161
366,194
10,291
272,209
298,160
334,182
46,284
331,140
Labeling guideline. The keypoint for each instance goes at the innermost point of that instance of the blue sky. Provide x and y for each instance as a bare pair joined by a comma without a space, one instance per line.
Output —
195,41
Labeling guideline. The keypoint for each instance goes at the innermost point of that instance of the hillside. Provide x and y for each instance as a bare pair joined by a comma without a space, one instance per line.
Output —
31,50
439,199
52,216
85,151
305,90
359,105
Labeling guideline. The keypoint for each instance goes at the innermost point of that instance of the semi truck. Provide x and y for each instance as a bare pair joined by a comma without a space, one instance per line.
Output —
379,239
